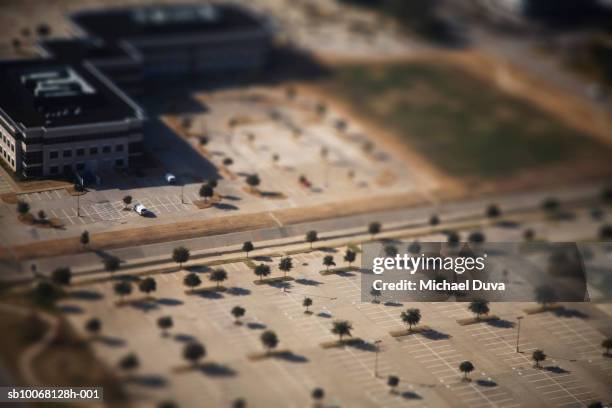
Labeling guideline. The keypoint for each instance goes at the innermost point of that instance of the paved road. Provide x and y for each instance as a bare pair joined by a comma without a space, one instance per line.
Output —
412,217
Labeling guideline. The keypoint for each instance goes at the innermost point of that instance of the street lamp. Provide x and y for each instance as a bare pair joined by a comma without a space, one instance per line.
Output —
377,344
518,332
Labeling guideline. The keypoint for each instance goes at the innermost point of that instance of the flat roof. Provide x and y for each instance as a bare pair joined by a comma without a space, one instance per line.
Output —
52,93
79,49
163,20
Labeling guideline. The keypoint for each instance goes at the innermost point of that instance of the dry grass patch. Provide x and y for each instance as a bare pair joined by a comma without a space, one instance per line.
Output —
355,341
343,269
542,309
267,354
205,290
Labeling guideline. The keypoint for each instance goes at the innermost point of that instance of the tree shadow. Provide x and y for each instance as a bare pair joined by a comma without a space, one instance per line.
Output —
556,370
198,268
110,341
262,258
486,383
345,274
169,302
392,303
508,224
433,334
184,338
411,395
231,198
209,294
237,291
144,305
85,294
324,315
256,326
569,313
328,250
148,380
70,309
501,323
217,370
290,357
308,282
225,206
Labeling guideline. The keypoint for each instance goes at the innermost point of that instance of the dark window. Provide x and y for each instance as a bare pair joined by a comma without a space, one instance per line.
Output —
54,154
53,169
67,169
67,153
80,166
80,152
106,149
93,150
136,147
119,148
33,157
119,163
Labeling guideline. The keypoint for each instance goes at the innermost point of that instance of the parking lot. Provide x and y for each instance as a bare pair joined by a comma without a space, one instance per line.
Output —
426,365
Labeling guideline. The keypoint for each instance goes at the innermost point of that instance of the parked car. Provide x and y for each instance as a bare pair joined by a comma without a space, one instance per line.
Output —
170,178
141,209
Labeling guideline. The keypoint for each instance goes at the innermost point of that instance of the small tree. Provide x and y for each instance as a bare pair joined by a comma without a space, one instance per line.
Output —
248,247
194,352
147,285
127,200
479,307
551,205
84,238
350,256
375,293
111,264
434,220
269,340
218,275
123,288
545,295
342,328
528,234
307,303
493,211
180,255
393,382
411,317
607,344
453,238
23,207
476,237
390,251
45,293
262,270
238,312
93,326
374,228
317,395
206,192
165,323
42,216
414,247
192,280
61,276
212,182
285,265
129,362
312,237
328,261
43,30
538,356
253,181
466,367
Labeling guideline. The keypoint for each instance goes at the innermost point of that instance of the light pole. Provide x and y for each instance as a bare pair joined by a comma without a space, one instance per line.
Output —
518,332
377,344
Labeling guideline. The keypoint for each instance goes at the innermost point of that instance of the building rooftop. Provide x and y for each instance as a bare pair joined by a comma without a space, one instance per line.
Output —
80,49
50,93
163,20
